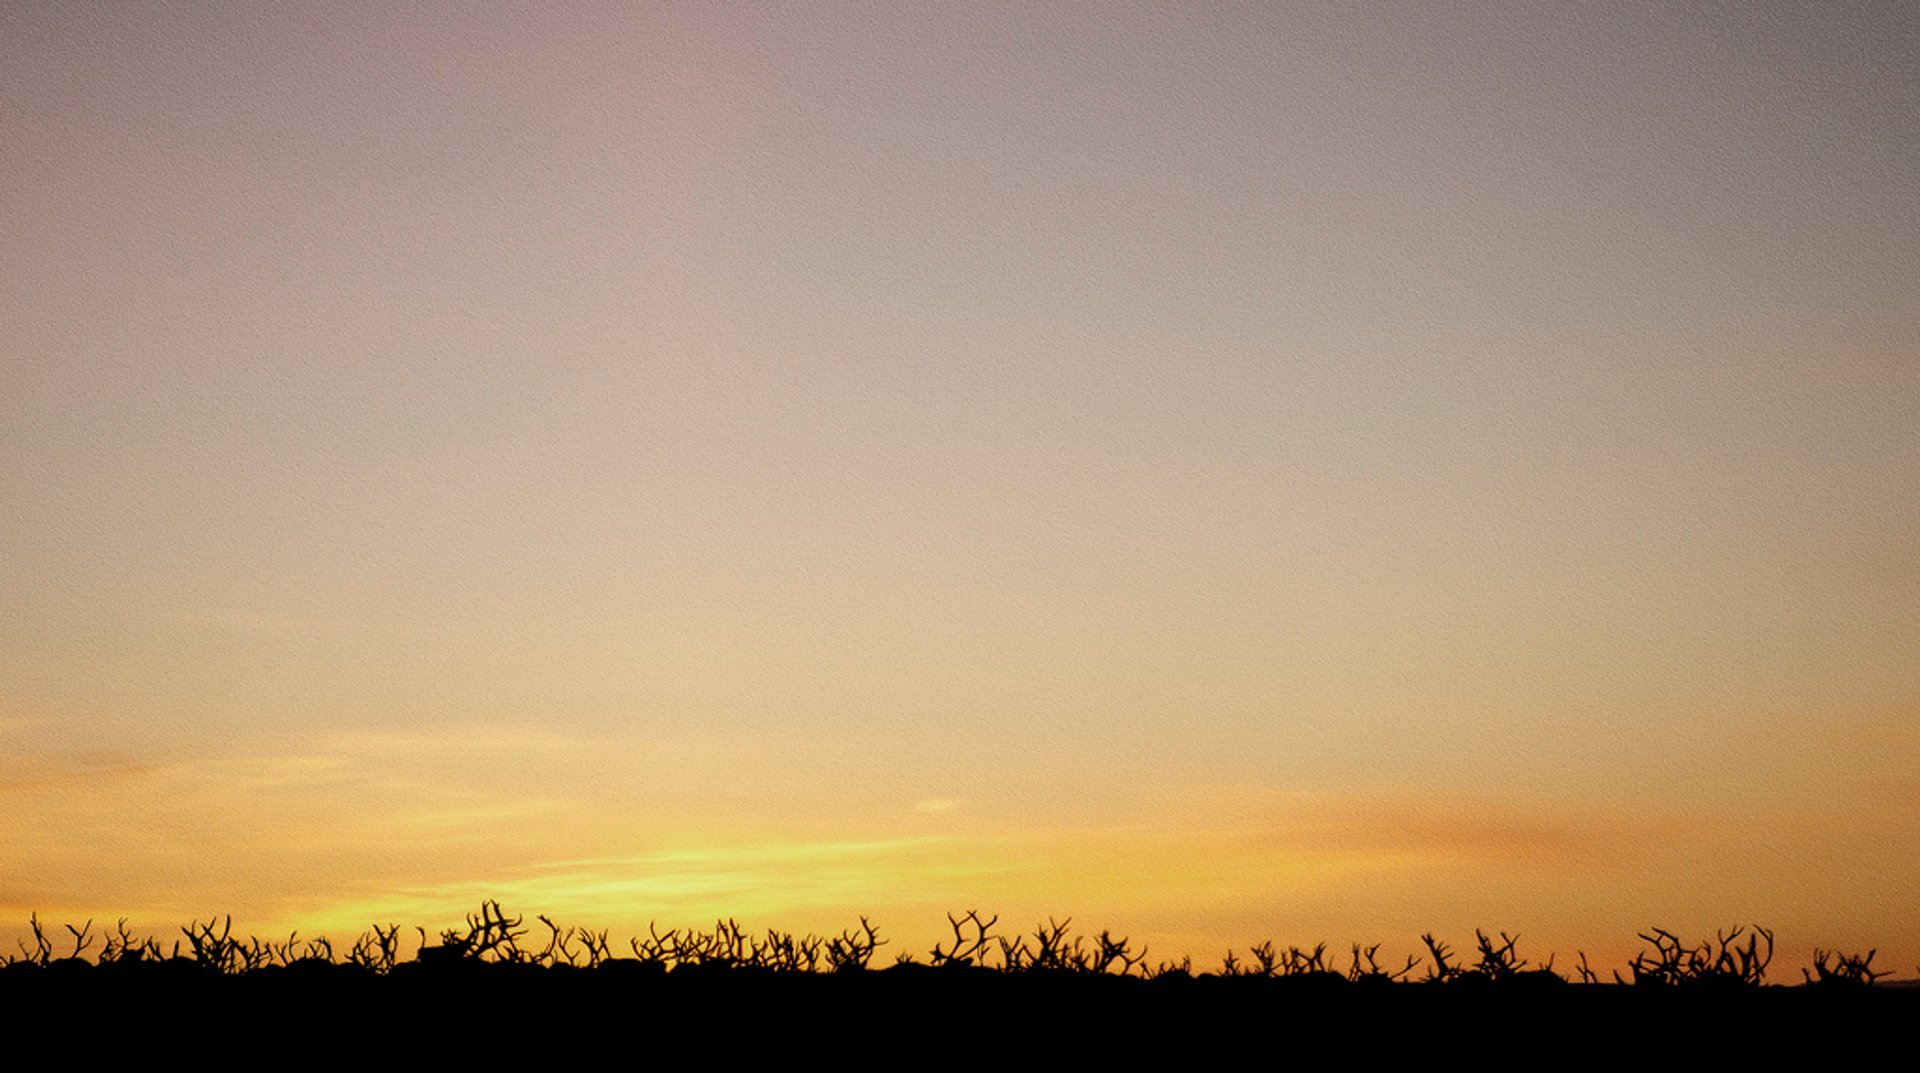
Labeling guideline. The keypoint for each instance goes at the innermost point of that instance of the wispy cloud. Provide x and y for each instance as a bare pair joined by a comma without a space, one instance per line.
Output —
756,880
1418,826
76,770
305,626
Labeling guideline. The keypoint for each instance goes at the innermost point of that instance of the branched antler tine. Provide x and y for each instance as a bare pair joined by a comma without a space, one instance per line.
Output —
125,937
940,957
1440,952
82,936
39,940
981,930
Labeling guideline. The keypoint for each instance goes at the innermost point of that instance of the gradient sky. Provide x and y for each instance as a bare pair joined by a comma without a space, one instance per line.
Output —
1217,472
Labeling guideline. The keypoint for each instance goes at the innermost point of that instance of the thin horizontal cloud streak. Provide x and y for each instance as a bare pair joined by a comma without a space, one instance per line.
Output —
1419,826
1451,827
73,771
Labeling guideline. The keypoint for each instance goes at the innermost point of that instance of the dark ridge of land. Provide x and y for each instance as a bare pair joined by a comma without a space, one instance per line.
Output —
487,991
422,1009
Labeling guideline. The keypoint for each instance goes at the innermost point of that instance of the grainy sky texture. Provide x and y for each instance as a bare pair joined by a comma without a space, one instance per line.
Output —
1218,472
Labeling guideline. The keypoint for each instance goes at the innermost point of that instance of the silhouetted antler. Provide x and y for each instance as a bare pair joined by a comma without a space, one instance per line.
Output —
852,951
1443,969
965,949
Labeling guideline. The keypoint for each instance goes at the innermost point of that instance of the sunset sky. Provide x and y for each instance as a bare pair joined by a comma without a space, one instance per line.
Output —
1215,472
